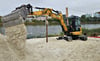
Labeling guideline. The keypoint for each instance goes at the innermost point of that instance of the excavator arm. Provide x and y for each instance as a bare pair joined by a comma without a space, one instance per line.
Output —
52,13
45,11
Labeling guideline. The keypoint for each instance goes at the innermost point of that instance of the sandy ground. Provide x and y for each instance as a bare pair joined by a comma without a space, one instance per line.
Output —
60,50
37,49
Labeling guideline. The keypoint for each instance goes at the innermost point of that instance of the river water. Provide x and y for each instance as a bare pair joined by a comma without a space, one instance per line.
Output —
40,31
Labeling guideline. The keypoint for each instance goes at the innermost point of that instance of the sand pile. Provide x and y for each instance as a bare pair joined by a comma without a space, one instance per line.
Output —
12,46
6,53
17,38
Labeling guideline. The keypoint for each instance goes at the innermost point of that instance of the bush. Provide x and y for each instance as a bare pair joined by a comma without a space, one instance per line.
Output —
0,20
91,31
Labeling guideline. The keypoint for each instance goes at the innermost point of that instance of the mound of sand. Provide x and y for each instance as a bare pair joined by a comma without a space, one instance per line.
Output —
6,53
17,38
12,47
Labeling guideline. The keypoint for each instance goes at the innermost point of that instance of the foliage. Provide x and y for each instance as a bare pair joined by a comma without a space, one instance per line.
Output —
84,19
53,20
0,20
61,33
91,31
90,19
35,22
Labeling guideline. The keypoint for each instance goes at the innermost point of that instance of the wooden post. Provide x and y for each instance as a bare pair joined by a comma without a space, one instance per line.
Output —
46,29
66,11
67,16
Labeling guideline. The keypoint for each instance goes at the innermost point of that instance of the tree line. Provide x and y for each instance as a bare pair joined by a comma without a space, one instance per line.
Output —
0,19
83,18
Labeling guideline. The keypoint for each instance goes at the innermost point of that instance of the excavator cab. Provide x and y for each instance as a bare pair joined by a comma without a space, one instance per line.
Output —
74,23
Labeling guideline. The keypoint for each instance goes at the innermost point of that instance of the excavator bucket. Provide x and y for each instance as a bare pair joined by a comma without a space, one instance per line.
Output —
12,18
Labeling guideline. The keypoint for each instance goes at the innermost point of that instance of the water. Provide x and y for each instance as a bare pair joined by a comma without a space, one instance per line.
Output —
2,30
91,26
40,31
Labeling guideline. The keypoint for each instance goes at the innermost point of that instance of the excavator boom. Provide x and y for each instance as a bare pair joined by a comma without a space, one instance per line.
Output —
52,13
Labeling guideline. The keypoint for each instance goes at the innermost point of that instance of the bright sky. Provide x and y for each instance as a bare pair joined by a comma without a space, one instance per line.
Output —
76,7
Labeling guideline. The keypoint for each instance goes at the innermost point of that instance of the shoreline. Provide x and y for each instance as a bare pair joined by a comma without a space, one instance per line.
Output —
43,23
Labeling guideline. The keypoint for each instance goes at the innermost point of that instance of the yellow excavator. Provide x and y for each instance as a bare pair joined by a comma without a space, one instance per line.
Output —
71,28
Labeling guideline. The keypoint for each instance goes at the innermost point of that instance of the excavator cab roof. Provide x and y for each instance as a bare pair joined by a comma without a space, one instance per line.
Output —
73,17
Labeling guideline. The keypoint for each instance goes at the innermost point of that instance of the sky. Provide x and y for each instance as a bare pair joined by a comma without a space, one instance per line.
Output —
75,7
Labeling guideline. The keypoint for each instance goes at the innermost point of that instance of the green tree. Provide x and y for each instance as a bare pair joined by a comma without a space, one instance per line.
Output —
53,20
83,18
95,18
0,20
